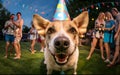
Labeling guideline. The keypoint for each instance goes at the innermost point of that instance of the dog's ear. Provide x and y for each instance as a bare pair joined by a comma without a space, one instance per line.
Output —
81,21
40,24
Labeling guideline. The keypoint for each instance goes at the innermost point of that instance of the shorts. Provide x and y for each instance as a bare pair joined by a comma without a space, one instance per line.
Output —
17,39
32,37
41,38
98,35
9,38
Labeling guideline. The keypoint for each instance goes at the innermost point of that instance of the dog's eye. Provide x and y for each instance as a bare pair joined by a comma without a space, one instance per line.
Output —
51,30
72,30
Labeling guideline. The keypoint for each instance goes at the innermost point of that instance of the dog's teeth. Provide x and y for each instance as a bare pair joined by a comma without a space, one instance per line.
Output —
55,57
67,57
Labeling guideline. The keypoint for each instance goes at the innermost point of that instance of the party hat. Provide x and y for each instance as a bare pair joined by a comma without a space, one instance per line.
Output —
61,12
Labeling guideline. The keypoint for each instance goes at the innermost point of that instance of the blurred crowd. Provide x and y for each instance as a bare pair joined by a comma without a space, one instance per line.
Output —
105,34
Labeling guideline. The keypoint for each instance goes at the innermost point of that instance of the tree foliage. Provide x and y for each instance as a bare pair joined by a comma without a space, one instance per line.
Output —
25,29
4,15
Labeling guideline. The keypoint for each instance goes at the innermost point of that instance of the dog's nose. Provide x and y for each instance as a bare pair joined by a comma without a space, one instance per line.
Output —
61,43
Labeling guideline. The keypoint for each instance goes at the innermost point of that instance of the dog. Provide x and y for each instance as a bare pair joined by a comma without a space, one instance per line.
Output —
61,40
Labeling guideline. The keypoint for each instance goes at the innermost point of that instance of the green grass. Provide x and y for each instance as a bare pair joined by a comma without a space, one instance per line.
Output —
33,64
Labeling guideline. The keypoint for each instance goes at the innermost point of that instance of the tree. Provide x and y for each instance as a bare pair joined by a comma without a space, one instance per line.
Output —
25,29
4,15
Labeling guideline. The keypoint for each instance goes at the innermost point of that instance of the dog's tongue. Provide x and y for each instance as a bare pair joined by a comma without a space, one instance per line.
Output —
61,60
61,57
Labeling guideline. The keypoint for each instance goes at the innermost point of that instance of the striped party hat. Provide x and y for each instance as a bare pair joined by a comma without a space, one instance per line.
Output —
61,12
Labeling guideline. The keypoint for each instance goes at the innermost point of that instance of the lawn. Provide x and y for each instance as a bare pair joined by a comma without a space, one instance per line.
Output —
33,63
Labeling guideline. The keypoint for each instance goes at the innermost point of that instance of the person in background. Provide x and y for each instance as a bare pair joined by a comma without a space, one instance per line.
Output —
89,36
9,34
80,41
98,35
33,37
41,40
108,34
116,13
18,35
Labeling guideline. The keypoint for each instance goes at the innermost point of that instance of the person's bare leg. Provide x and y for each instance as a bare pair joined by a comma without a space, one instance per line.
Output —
80,42
93,45
12,47
42,46
119,56
17,51
19,47
116,54
101,49
32,46
107,50
6,49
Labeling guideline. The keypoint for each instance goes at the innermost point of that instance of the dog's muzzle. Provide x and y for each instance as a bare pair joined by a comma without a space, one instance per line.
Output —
61,43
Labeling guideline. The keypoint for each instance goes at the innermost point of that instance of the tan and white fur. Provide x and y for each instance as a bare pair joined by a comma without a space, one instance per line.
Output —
61,40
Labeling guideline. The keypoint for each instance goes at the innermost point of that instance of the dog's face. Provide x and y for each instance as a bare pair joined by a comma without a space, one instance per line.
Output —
62,37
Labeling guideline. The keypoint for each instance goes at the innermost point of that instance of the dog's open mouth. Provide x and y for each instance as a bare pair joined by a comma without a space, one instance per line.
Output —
61,58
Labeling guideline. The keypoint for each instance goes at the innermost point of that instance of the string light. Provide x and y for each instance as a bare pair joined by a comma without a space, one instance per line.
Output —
96,8
92,19
98,5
